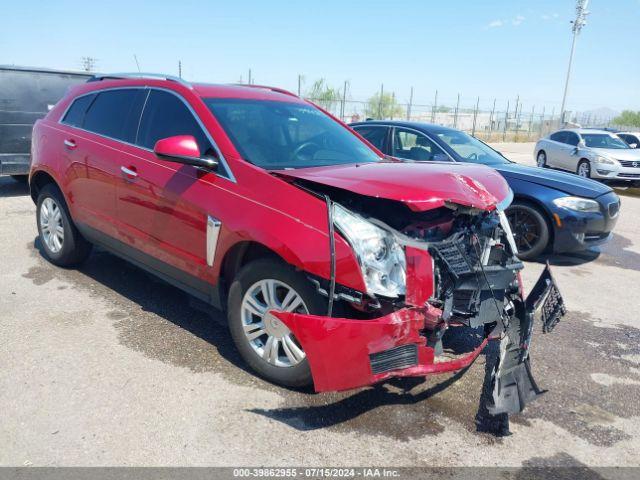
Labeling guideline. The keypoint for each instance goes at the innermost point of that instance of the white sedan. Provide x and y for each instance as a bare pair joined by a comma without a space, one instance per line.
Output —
589,153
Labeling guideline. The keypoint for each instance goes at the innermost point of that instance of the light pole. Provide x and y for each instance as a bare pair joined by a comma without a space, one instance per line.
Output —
578,23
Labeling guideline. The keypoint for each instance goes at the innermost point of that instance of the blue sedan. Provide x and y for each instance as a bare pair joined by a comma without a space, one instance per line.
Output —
552,212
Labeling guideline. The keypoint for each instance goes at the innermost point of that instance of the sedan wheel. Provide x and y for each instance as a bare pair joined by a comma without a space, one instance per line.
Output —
584,169
267,335
530,230
541,160
51,225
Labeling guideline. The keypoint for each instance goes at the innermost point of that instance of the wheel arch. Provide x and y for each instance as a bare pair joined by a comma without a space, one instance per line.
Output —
546,214
38,180
239,255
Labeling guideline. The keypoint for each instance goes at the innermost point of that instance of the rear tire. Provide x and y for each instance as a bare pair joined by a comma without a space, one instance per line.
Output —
530,229
584,168
281,368
541,159
62,243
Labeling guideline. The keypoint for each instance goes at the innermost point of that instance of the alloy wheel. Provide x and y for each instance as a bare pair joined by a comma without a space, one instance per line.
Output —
51,225
267,335
542,159
526,231
583,170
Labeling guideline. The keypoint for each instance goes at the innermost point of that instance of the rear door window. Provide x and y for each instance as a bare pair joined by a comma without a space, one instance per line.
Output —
115,113
375,135
559,137
165,115
572,139
77,110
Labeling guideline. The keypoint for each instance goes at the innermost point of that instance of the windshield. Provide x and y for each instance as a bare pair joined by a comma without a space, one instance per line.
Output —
602,140
470,149
278,135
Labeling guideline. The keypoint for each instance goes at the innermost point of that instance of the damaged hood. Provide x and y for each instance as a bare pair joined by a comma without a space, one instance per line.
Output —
421,186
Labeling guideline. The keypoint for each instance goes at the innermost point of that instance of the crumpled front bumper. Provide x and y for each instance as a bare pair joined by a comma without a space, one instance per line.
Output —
348,353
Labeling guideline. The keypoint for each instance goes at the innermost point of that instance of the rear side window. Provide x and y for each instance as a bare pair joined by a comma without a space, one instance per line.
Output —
75,114
375,135
115,113
165,115
572,139
558,137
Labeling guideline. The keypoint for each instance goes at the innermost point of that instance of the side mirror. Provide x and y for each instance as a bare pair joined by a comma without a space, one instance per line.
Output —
440,157
581,144
183,149
633,145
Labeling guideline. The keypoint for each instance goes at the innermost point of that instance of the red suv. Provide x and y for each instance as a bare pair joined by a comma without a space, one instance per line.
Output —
336,265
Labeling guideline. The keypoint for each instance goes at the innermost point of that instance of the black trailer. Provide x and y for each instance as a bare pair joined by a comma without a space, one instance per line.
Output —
27,94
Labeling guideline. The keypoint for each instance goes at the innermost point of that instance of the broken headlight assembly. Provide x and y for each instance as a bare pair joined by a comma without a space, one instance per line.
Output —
578,204
381,258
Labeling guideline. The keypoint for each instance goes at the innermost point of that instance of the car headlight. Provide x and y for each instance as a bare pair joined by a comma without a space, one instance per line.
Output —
608,161
381,258
578,204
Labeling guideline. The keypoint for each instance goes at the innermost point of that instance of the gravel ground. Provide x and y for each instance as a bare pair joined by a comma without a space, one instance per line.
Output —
105,365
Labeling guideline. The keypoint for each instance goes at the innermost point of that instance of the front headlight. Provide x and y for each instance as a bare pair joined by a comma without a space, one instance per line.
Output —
381,258
578,204
608,161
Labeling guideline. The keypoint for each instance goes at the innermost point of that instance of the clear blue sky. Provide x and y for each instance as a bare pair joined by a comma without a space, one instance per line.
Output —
489,48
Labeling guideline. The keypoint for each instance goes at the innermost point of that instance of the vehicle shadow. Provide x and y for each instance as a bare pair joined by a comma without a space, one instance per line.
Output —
122,279
12,188
569,259
150,294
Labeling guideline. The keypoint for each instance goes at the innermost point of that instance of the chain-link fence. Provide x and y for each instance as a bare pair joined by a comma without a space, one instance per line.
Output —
511,122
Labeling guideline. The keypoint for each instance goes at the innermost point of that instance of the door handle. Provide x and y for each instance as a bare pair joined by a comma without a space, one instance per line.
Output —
128,172
70,144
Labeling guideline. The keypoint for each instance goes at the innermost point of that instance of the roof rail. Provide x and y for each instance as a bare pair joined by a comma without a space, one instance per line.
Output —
266,87
156,76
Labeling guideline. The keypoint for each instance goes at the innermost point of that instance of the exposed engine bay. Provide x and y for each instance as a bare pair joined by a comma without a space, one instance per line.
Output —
475,282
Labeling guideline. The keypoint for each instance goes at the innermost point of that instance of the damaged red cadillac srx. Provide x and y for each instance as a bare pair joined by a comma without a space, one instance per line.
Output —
337,266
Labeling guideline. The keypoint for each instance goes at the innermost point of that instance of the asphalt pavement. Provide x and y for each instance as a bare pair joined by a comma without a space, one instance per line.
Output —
105,365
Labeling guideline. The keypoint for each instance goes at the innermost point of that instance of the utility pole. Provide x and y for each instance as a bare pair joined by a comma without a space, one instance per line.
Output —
578,23
249,79
299,84
135,57
435,108
179,68
380,102
344,100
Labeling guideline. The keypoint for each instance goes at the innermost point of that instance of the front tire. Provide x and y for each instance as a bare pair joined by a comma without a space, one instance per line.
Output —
541,159
584,168
530,229
265,343
62,243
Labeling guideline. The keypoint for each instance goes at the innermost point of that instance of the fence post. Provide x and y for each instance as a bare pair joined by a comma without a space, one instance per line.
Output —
344,101
409,105
542,121
533,109
475,116
380,102
493,109
455,115
506,120
435,109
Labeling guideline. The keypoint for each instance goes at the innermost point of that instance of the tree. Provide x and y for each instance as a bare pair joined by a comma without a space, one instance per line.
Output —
383,107
323,94
628,118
